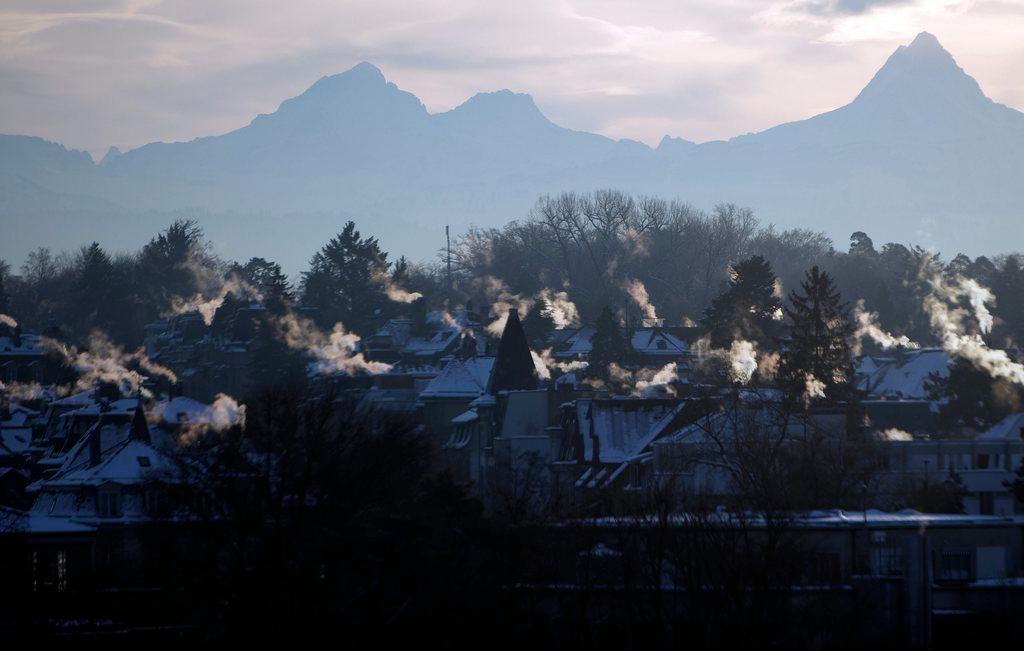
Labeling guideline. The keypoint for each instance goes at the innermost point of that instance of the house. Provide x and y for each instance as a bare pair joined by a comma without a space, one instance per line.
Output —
983,463
112,479
24,359
904,376
921,580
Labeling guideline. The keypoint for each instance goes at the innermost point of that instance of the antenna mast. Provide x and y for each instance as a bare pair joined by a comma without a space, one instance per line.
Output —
448,240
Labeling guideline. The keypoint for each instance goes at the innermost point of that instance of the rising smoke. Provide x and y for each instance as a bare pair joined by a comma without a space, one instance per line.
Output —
333,353
105,362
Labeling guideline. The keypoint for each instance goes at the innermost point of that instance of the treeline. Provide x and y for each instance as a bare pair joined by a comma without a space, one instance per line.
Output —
591,246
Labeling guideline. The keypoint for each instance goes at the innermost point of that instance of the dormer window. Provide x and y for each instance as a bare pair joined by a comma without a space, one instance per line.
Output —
662,345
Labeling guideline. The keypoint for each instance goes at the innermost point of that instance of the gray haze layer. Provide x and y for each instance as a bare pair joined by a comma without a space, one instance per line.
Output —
920,155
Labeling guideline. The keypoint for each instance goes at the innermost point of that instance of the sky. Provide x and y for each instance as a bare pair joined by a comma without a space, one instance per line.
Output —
95,73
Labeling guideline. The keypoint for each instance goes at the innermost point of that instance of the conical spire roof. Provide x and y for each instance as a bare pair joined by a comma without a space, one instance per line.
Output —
513,365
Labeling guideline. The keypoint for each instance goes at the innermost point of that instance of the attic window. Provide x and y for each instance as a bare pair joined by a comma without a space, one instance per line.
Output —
661,344
143,461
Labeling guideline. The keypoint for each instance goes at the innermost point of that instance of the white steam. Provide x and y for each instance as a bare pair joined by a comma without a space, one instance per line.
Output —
207,303
894,434
867,326
8,321
545,363
334,352
223,414
557,305
740,358
651,383
105,362
392,289
948,321
813,388
638,292
502,300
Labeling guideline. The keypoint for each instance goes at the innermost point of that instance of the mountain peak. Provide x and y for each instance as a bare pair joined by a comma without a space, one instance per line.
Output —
502,107
501,103
926,40
921,72
359,94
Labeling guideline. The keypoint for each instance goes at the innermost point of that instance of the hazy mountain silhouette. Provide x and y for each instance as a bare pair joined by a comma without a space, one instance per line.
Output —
919,155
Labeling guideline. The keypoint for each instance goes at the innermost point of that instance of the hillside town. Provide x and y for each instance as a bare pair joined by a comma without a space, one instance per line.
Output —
783,448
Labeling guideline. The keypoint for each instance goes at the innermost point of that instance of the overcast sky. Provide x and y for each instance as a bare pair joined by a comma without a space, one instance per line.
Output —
95,73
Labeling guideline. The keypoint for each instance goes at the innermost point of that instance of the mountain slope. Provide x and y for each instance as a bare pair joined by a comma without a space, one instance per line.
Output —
920,154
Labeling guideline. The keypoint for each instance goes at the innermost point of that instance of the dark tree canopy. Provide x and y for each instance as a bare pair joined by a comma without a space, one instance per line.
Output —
343,282
749,308
818,348
609,345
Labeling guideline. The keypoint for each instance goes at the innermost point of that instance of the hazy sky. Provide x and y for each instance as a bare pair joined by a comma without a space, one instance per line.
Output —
94,73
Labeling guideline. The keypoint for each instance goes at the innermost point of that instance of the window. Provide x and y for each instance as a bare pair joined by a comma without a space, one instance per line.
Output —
982,462
143,461
887,559
986,503
955,565
109,503
661,344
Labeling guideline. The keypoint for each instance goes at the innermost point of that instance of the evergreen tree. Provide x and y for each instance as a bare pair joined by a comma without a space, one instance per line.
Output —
538,326
271,282
748,309
970,397
171,261
343,282
818,350
608,345
92,288
1008,286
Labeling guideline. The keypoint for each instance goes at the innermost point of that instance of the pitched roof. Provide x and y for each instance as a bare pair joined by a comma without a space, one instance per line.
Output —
621,427
1010,428
461,378
905,376
653,341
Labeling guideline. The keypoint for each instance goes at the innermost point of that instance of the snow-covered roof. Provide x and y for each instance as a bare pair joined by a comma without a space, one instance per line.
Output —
27,345
622,427
578,344
179,411
461,378
30,522
15,440
724,425
467,416
123,458
905,376
1010,428
19,414
653,341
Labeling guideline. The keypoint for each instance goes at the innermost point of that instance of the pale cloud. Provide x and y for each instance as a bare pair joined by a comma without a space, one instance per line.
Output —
93,73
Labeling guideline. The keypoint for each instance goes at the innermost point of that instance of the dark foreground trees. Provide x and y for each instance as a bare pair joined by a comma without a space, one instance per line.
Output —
331,521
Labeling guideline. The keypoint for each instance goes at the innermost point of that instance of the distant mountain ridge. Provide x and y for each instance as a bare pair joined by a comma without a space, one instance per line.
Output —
919,155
